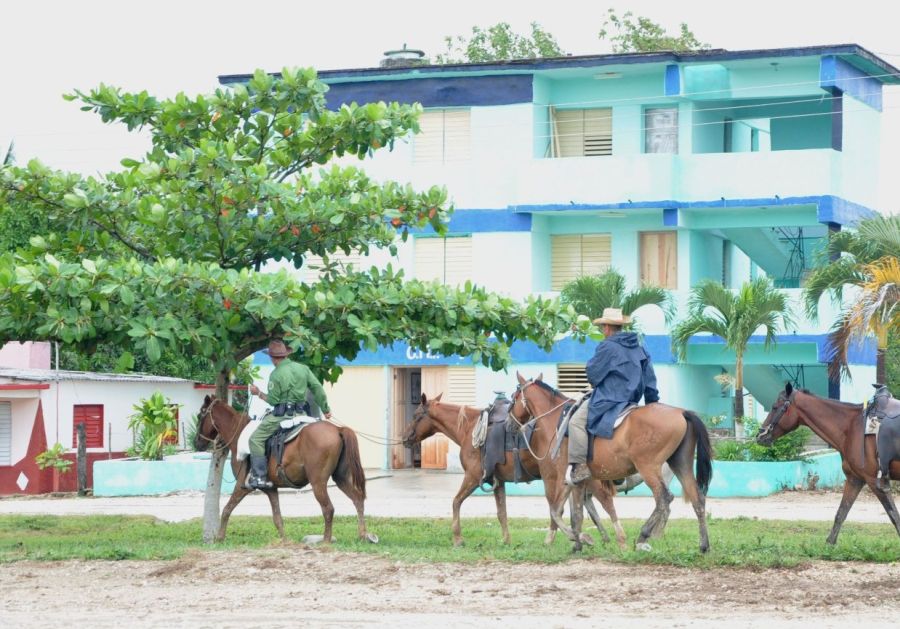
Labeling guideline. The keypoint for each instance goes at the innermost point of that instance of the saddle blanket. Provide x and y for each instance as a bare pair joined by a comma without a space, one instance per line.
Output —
298,423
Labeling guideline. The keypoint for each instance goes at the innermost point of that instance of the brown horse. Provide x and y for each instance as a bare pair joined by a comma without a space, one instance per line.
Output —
651,436
458,423
322,450
841,426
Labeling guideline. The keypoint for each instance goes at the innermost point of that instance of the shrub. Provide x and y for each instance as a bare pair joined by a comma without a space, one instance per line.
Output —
52,457
787,448
155,423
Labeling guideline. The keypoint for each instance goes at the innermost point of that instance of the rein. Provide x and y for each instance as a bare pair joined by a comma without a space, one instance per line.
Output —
521,389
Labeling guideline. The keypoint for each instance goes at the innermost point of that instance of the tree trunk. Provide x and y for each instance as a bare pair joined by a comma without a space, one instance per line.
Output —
214,478
739,388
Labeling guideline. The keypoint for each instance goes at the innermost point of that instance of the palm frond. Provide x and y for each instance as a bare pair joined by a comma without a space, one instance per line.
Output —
650,296
711,294
10,156
830,278
839,340
697,323
881,236
590,294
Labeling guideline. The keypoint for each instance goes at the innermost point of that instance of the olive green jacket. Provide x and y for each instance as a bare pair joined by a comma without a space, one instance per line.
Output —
290,381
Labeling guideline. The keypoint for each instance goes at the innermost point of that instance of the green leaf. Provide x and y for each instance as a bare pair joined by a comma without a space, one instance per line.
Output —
89,266
154,352
125,362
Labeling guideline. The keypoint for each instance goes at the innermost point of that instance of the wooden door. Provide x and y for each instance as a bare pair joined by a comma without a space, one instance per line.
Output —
434,449
400,455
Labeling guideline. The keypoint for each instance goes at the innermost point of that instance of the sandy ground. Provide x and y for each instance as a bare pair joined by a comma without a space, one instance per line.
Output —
316,587
429,494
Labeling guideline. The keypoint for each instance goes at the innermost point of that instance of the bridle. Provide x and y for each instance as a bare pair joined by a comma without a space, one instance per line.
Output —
521,389
207,412
768,428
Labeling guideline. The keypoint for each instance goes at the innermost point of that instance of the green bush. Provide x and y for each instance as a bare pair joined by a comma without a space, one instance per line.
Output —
155,423
787,448
53,457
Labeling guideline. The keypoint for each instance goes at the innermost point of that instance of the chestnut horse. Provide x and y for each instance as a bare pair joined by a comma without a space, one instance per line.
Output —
651,436
322,450
840,425
458,423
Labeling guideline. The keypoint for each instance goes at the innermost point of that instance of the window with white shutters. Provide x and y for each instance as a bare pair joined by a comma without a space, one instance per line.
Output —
572,380
461,385
579,254
445,136
582,132
5,433
447,260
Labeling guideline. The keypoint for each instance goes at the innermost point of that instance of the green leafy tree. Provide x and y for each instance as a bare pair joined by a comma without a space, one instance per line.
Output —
635,33
165,254
735,317
589,295
499,43
843,263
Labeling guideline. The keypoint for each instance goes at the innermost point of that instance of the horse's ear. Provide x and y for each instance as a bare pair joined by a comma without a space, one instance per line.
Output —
437,398
520,378
206,400
424,399
539,377
788,389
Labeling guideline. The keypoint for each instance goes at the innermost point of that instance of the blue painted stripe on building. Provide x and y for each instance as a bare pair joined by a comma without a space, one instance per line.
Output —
673,80
569,350
831,209
463,91
837,73
475,221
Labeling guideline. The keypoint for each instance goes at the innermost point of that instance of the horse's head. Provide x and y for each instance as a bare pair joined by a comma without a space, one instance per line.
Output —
423,425
206,426
524,404
782,418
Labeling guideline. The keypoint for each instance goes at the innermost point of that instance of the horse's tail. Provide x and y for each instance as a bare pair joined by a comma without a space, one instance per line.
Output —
704,451
350,465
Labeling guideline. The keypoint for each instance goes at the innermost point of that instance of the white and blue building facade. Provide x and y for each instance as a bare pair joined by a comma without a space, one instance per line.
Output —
670,167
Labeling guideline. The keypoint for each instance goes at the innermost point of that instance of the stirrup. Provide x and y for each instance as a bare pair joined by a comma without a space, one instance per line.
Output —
578,475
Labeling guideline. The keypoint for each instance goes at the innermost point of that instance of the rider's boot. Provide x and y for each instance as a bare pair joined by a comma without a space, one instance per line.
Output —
259,474
577,473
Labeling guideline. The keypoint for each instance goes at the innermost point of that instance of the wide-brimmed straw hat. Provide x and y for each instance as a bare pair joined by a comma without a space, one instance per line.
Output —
277,349
613,316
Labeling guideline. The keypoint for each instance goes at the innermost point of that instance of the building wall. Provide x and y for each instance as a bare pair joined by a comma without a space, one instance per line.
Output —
27,355
361,400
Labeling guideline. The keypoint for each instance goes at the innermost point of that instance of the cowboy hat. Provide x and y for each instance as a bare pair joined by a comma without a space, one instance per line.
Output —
613,316
277,349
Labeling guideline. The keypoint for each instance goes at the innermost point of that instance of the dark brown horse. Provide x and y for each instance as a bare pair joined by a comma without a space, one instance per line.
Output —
322,450
651,436
458,423
840,425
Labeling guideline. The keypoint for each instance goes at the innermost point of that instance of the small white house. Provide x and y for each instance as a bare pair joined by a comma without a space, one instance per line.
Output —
41,407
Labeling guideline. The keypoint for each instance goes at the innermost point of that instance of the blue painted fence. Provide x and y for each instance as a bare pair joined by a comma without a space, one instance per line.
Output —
132,477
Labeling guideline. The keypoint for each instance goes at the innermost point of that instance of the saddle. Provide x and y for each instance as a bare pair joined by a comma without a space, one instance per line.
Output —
499,440
883,405
882,419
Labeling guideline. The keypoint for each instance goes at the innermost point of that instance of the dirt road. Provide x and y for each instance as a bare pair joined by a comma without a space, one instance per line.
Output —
301,586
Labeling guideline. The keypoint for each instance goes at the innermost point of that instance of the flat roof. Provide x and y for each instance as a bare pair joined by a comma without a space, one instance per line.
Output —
854,54
51,375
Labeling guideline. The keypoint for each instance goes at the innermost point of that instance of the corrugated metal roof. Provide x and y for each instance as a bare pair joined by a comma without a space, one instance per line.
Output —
50,375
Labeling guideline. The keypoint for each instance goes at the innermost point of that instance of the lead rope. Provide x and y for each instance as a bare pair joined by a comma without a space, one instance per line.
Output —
378,439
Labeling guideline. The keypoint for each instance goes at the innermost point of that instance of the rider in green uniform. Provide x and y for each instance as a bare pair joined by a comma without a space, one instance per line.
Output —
288,386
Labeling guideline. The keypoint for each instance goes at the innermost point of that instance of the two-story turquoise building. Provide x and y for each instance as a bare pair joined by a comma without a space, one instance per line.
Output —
670,167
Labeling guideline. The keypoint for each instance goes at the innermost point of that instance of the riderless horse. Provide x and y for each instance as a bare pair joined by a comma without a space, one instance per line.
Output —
650,436
321,451
840,425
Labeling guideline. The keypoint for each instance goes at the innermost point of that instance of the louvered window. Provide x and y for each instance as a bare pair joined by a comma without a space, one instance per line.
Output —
582,132
576,255
447,260
92,417
5,433
461,385
445,136
312,265
572,380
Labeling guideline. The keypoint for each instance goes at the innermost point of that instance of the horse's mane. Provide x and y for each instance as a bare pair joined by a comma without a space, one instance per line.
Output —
828,400
549,389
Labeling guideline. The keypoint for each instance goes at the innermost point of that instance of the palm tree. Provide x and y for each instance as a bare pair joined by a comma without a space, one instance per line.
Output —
844,263
590,294
734,317
876,309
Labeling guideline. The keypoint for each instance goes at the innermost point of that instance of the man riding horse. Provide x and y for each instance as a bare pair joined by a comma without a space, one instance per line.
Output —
621,373
288,386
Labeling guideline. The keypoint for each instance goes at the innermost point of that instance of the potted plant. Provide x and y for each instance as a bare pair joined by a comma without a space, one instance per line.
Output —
53,458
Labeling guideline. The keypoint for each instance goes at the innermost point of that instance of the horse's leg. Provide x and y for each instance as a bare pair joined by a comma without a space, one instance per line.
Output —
605,497
852,487
500,499
355,495
595,517
236,496
276,511
661,495
556,513
469,484
320,491
681,463
576,506
887,501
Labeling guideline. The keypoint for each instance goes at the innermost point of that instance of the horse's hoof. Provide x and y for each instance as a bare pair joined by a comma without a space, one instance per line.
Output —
587,539
313,540
371,538
576,549
644,546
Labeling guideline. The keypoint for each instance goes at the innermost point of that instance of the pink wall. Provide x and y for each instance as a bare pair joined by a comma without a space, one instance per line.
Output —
27,355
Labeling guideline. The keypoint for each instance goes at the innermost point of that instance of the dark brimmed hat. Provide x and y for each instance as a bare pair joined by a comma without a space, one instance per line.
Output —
277,349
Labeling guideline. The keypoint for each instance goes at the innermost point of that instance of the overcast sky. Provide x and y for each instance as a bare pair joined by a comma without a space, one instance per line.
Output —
167,46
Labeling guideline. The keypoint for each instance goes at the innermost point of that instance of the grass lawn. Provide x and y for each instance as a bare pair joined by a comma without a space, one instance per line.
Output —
737,542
